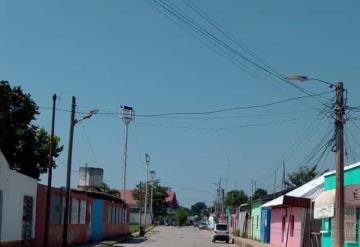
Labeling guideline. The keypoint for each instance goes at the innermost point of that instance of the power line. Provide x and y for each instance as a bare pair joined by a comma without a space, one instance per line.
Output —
173,10
224,128
90,144
235,108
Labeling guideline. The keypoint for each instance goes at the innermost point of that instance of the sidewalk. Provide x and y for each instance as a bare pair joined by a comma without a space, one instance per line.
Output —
244,242
119,240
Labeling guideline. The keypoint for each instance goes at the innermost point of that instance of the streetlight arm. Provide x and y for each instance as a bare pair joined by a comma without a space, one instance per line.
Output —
87,116
306,78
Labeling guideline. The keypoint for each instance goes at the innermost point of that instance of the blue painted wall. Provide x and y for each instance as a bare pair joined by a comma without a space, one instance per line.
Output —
265,225
97,219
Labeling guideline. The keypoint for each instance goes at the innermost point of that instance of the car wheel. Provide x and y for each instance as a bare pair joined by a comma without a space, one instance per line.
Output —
227,241
213,240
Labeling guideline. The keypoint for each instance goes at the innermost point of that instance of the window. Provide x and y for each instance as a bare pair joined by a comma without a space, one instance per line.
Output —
0,210
109,215
74,211
27,218
292,222
55,209
82,212
350,225
121,216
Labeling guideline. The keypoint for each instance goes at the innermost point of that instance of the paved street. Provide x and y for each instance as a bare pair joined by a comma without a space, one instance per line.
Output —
163,236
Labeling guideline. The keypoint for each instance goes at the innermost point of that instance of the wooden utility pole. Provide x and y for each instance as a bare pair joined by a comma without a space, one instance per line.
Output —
50,165
339,191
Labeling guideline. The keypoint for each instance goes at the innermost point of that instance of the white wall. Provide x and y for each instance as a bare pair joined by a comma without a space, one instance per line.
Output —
14,187
135,218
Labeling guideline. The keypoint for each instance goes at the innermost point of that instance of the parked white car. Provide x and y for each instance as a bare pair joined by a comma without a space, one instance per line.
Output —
221,233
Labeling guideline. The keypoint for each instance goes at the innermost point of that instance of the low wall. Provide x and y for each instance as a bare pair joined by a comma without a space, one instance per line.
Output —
243,242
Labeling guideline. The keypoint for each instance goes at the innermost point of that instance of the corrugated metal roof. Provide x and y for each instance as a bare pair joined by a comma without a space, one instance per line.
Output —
309,190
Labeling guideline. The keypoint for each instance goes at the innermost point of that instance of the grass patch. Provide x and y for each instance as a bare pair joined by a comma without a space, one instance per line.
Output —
133,228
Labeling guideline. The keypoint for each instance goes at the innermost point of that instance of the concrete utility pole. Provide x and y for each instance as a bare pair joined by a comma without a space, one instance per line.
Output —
50,165
147,160
339,191
127,113
68,172
73,122
152,177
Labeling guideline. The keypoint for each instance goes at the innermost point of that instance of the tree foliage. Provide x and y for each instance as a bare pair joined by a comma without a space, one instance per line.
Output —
181,215
159,197
259,193
105,188
199,208
25,145
235,197
303,175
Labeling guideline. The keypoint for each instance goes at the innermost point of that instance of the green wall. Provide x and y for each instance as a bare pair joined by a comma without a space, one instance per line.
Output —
256,219
352,176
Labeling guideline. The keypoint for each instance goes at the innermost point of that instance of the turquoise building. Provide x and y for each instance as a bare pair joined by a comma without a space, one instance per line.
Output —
325,205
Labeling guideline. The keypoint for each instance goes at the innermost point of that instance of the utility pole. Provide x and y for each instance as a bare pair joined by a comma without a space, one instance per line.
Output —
147,160
339,191
73,122
50,165
152,177
275,182
283,178
68,172
127,116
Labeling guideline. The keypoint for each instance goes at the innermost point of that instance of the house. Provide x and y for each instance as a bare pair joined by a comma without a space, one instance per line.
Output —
17,206
291,222
325,204
93,216
255,209
136,210
244,220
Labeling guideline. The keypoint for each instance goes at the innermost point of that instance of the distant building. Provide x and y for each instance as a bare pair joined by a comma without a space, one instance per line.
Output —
136,209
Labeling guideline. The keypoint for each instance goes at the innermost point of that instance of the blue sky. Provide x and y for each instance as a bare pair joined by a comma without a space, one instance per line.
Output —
109,53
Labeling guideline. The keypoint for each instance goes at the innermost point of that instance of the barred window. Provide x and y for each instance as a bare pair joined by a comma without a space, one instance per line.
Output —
350,225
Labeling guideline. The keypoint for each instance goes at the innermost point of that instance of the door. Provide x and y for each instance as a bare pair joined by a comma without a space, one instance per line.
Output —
27,219
97,220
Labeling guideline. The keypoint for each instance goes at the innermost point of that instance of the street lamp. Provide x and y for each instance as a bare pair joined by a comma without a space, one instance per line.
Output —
73,122
339,110
127,115
147,160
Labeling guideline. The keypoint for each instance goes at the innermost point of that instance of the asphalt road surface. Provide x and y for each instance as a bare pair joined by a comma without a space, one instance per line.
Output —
168,236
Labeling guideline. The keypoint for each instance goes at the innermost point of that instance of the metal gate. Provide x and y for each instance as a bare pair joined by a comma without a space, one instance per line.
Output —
27,219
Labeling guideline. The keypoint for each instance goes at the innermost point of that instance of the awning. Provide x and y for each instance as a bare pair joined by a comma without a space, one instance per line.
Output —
324,205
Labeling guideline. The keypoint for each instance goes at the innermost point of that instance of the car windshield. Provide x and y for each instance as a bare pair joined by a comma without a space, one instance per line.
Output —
221,227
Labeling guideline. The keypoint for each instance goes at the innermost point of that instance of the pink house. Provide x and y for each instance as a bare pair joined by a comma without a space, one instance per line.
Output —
286,226
292,223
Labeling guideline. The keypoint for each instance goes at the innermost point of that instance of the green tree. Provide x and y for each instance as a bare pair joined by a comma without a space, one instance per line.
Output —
198,209
105,188
25,145
159,197
303,175
259,193
181,215
234,198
